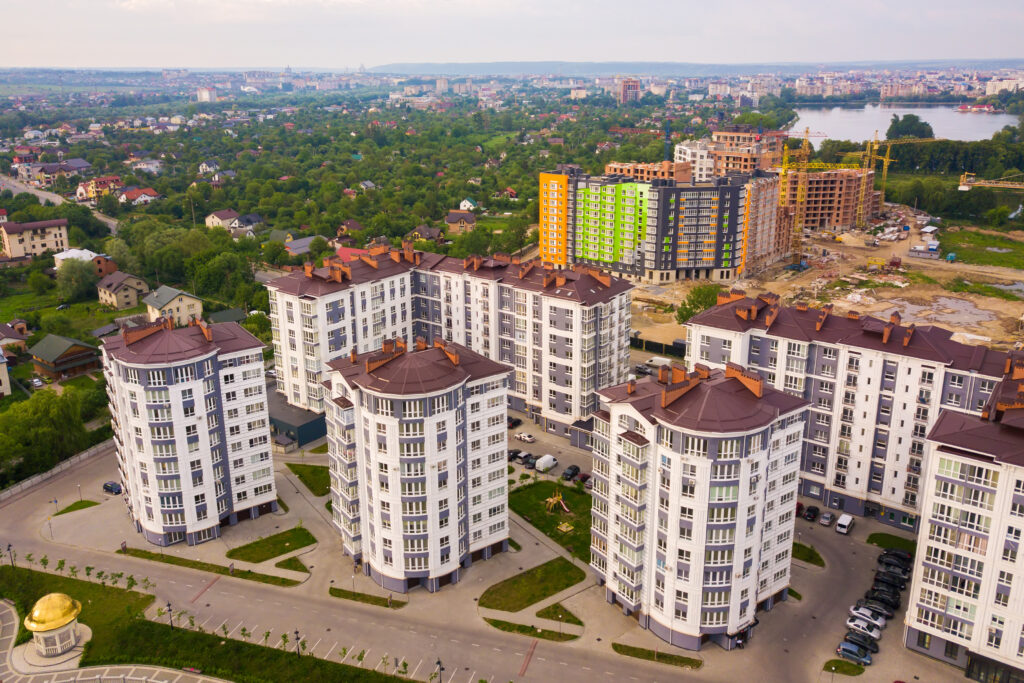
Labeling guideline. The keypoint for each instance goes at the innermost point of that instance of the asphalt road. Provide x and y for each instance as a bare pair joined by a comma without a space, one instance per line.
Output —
17,187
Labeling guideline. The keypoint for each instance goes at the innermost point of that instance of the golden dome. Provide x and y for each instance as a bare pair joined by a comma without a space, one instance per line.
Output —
52,611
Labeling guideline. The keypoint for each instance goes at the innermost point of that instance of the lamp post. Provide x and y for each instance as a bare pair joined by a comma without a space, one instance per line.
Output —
79,493
170,614
298,653
440,669
559,625
10,554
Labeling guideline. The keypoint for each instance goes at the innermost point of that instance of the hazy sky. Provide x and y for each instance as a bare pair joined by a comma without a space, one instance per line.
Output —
347,33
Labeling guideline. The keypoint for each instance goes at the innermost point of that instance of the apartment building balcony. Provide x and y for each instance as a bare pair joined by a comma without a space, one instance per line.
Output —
910,500
911,486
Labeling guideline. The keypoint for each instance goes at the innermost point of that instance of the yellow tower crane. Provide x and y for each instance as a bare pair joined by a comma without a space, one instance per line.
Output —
968,180
799,204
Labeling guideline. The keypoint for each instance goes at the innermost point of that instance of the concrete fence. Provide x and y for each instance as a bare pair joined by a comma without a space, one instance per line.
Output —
102,447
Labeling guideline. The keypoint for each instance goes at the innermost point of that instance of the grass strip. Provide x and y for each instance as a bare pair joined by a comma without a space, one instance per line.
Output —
281,504
794,594
530,503
660,657
515,546
558,611
209,567
530,631
883,540
77,505
272,546
322,448
843,667
532,586
292,563
317,478
367,598
807,553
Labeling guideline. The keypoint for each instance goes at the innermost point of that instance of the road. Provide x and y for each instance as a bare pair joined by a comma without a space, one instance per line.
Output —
17,187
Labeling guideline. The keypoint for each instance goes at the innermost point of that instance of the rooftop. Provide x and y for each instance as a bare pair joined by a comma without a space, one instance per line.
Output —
160,343
159,298
53,346
15,228
396,370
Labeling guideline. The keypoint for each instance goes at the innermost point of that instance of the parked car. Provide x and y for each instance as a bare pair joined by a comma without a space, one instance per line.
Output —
899,554
877,607
893,580
112,487
546,463
894,559
844,524
861,640
826,519
571,472
641,370
36,382
884,597
271,372
811,513
587,479
514,422
529,460
865,627
513,454
526,438
854,653
868,616
894,568
63,307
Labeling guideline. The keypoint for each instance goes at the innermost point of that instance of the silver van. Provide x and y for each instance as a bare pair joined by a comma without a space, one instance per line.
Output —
844,524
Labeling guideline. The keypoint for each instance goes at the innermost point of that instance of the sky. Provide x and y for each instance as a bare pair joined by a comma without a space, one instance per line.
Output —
341,34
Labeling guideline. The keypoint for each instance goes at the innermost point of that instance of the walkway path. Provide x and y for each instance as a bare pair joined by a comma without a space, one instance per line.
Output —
124,673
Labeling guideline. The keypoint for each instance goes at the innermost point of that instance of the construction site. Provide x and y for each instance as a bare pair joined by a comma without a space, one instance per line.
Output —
863,254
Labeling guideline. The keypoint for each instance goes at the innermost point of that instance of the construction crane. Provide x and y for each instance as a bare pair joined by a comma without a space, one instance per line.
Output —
967,181
801,169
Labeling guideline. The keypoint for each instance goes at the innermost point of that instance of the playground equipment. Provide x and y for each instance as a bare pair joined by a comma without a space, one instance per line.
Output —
555,500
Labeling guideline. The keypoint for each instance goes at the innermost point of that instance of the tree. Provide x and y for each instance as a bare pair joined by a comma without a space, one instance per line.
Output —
910,126
699,298
76,280
39,283
998,216
108,204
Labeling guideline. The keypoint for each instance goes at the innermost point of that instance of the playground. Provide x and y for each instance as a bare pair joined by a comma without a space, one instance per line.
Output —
562,512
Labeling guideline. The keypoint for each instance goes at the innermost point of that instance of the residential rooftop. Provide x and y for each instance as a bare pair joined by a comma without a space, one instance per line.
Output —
160,343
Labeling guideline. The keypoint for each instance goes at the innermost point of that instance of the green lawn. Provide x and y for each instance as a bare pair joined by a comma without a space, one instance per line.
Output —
528,503
530,631
660,657
81,382
322,448
795,595
807,553
367,598
558,610
317,478
83,317
15,396
292,563
121,636
843,667
77,505
532,586
272,546
281,504
893,541
961,285
986,250
209,567
515,546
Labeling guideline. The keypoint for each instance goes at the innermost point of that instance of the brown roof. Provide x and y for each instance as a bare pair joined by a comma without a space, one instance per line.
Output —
999,440
715,401
115,280
417,370
15,228
8,332
454,216
925,342
179,344
297,283
225,213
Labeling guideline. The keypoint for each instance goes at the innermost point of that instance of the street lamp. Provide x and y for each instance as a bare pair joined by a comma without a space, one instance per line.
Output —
170,614
559,625
79,493
440,669
10,553
297,643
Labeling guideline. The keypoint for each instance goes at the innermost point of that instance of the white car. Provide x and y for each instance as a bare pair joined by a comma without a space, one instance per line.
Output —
527,438
868,616
868,629
36,382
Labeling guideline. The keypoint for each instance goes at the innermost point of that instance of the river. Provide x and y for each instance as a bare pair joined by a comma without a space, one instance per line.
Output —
845,123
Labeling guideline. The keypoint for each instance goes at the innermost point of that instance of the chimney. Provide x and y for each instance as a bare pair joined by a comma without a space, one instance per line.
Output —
801,306
307,268
853,315
908,334
631,386
421,344
515,260
353,355
887,332
895,317
771,315
673,391
407,251
207,332
663,374
560,280
388,346
369,260
751,380
396,255
823,316
400,345
730,296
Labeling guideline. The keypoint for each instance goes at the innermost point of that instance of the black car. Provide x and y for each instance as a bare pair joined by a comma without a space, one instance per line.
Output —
811,513
889,558
861,640
877,608
899,554
112,487
894,568
529,460
571,472
641,370
885,588
514,422
513,454
894,580
884,597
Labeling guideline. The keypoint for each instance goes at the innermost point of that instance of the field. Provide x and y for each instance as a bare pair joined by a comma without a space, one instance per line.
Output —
532,586
317,478
983,249
82,317
529,503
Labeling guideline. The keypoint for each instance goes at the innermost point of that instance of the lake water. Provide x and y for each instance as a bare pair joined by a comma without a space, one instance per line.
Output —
842,123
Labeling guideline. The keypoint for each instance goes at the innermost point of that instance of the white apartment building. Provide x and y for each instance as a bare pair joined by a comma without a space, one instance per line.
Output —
698,154
967,595
875,388
695,483
189,411
417,443
566,332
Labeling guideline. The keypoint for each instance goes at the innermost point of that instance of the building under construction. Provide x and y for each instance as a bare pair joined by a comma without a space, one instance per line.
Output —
829,199
679,171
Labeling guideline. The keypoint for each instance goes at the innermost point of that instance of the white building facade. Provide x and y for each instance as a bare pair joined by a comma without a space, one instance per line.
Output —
189,411
875,388
698,154
695,482
417,444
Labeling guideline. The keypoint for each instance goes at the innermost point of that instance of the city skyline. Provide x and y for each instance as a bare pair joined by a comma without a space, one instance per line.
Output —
339,34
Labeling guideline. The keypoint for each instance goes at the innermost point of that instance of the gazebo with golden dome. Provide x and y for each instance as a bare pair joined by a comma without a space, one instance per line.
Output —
53,622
